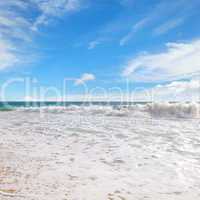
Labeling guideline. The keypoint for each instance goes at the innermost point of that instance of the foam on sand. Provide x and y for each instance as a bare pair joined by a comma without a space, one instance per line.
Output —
101,153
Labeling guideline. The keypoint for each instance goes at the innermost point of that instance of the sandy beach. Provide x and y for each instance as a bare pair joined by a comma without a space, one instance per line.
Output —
97,155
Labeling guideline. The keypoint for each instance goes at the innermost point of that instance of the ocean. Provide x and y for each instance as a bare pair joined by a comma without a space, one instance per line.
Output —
54,103
37,104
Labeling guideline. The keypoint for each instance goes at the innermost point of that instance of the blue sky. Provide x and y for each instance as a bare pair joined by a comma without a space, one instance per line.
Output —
102,43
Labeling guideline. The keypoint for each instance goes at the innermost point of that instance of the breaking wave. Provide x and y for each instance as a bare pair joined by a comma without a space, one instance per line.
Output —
175,110
179,110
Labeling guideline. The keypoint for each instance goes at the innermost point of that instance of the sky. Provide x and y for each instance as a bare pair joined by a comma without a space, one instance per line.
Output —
104,48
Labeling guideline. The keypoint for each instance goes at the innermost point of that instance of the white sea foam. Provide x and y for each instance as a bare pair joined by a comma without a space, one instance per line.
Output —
177,110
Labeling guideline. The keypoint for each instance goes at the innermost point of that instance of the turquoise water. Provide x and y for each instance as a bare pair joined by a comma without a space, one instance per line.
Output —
4,106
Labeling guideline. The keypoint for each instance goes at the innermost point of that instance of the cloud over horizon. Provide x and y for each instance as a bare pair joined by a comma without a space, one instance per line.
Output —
176,91
178,59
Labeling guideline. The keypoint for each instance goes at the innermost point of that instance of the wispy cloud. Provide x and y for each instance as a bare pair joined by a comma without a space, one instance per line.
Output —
158,14
176,60
14,32
174,91
51,8
17,27
8,56
167,26
85,78
139,25
14,3
93,44
178,90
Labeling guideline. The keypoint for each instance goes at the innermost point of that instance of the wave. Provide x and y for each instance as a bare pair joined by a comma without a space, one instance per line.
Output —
177,110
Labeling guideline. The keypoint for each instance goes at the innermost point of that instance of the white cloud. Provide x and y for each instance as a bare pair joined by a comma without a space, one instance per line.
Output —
8,56
84,78
174,91
159,13
14,4
14,32
93,44
53,8
178,59
167,26
16,28
139,25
